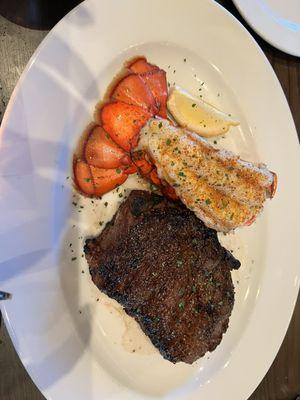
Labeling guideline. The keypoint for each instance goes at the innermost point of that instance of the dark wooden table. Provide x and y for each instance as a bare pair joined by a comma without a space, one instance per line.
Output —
282,382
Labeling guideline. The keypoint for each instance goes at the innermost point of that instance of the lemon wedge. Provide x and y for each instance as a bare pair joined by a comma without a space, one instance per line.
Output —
197,115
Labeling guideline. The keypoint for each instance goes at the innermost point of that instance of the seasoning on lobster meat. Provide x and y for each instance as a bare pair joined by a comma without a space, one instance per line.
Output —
224,191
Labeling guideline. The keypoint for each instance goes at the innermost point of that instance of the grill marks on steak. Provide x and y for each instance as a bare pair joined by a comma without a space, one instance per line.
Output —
168,271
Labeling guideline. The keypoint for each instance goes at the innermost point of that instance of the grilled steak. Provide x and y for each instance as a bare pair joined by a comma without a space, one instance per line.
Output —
168,271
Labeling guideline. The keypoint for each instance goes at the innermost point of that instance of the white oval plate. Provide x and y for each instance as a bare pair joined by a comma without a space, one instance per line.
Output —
73,345
276,21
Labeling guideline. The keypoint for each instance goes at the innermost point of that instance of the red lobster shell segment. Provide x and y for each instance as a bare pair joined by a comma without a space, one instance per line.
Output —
106,161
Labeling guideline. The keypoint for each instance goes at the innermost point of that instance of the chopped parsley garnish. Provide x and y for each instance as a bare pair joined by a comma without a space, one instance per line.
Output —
120,195
181,305
118,170
207,201
181,292
160,125
172,163
179,263
224,203
74,204
231,216
176,149
74,258
194,105
168,142
181,173
184,59
106,204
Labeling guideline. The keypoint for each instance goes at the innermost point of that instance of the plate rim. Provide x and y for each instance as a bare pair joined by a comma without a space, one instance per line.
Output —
265,34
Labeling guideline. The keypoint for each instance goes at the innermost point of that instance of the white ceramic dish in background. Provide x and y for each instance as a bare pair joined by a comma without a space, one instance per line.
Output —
73,345
276,21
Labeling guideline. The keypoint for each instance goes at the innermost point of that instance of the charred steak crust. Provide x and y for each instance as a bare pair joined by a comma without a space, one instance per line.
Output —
168,271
